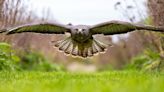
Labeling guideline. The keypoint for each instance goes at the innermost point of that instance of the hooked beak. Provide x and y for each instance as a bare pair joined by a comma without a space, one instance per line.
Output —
80,31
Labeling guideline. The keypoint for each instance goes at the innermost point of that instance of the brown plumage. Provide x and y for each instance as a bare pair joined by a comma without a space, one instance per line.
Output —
81,42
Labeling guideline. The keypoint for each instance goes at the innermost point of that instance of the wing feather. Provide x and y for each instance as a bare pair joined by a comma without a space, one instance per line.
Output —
3,30
119,27
45,28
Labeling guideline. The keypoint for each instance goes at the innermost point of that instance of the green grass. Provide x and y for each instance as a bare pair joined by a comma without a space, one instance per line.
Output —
113,81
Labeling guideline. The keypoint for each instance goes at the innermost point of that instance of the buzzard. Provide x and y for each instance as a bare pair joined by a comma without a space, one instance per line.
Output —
81,41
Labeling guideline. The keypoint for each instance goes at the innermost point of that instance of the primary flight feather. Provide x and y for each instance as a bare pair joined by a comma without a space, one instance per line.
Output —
81,42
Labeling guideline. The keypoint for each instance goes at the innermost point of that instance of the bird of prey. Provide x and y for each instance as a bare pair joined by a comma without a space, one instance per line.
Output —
81,41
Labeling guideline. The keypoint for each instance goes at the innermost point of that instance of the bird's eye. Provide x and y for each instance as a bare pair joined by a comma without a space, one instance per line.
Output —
83,29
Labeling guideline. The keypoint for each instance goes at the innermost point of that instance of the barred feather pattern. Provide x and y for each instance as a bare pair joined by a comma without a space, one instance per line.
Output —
87,49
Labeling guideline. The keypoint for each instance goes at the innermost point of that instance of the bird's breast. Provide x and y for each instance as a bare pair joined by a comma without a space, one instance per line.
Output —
80,37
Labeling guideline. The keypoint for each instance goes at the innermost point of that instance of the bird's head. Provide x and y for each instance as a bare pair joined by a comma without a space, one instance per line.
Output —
80,30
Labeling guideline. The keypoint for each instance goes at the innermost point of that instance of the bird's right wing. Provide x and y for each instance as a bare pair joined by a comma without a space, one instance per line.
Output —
45,28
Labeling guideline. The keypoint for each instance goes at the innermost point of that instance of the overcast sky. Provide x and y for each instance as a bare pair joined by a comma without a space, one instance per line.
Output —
86,11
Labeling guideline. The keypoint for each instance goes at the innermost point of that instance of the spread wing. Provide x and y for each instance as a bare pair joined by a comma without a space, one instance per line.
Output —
45,28
3,30
119,27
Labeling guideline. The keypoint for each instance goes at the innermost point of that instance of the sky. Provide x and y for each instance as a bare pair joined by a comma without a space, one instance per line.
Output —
87,11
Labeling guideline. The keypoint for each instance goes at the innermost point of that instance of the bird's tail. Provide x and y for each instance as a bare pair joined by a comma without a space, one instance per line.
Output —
65,45
84,50
98,46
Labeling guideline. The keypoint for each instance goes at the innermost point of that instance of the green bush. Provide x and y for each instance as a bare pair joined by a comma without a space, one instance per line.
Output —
36,61
32,61
149,60
8,59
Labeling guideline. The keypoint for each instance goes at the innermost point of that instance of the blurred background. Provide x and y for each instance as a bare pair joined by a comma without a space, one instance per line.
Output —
139,50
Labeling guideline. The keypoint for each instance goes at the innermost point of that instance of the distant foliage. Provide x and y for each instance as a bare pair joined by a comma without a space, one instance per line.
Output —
8,59
149,60
27,61
36,61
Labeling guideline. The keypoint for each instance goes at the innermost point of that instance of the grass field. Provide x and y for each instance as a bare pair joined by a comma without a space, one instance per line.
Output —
112,81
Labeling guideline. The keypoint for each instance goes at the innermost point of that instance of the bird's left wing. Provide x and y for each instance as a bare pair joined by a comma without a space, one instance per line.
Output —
118,27
45,28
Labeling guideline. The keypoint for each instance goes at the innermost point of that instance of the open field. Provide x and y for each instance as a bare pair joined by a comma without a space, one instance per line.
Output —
112,81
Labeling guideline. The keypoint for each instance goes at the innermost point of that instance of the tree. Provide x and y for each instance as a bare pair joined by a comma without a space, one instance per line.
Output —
156,11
